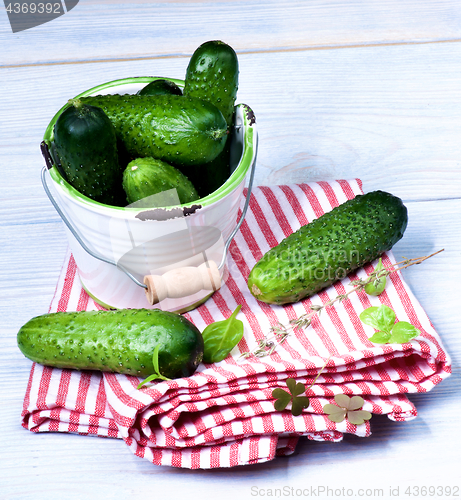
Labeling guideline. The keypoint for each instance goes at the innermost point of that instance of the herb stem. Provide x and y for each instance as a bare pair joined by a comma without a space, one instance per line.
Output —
267,345
412,262
319,373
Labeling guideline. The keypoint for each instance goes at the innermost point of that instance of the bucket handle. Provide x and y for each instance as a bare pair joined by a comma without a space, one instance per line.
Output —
175,283
74,232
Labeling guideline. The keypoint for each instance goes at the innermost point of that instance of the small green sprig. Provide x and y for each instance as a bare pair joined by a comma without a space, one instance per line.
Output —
221,337
347,407
298,403
377,284
373,284
268,344
382,319
156,375
283,397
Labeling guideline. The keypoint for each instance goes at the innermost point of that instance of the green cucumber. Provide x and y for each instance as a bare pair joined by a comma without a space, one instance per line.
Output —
176,129
121,341
330,247
86,145
160,87
212,75
145,177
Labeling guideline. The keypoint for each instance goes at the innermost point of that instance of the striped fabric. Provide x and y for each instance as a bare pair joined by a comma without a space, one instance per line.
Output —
224,415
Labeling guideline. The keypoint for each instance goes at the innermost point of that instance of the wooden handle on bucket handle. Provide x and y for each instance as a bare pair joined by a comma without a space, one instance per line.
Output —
182,282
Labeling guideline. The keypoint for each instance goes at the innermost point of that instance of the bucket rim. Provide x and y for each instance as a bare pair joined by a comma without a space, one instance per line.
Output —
244,114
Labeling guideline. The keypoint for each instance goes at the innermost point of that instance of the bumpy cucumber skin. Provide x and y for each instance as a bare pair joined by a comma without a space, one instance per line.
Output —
330,247
160,87
212,74
85,141
176,129
148,176
121,341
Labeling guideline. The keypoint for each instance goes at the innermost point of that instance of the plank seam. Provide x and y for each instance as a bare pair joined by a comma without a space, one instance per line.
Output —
239,52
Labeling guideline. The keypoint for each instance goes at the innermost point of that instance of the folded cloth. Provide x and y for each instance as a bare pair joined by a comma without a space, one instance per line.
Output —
224,415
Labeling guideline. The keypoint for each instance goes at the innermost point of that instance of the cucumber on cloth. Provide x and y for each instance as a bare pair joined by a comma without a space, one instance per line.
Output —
327,249
121,341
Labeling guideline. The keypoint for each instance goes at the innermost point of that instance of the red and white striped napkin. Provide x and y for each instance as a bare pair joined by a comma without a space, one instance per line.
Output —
224,415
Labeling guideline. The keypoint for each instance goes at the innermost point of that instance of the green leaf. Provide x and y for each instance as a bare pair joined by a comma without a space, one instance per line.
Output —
347,407
335,413
298,404
358,417
368,316
221,337
342,400
355,402
295,388
282,399
156,375
155,359
380,318
349,403
280,393
386,318
150,378
380,338
403,332
383,318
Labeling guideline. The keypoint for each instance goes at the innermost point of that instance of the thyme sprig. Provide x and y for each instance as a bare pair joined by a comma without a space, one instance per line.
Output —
279,332
268,344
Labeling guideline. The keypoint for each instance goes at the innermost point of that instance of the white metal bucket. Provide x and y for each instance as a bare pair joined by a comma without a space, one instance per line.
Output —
116,247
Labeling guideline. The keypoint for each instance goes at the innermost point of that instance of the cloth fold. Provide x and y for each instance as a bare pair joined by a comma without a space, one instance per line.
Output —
224,415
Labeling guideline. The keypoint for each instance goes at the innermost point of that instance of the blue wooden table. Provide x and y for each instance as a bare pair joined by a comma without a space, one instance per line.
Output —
369,89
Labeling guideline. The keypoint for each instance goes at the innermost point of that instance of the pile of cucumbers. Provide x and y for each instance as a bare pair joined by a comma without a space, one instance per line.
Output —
119,149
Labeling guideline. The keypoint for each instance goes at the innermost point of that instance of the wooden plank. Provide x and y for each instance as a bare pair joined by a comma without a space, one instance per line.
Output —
116,30
389,115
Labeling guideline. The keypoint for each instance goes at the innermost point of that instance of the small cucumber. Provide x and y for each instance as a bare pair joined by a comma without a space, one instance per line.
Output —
330,247
85,142
121,341
145,177
212,75
176,129
160,87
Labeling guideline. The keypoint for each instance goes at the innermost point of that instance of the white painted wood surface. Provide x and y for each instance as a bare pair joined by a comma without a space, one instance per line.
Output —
367,89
